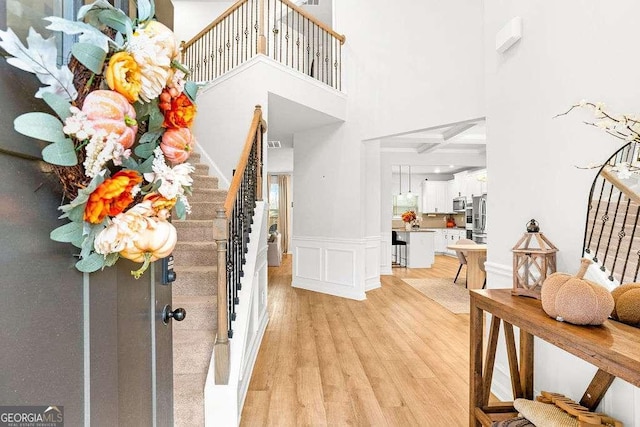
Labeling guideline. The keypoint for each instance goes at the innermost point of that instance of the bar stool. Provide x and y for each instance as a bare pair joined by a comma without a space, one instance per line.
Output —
401,244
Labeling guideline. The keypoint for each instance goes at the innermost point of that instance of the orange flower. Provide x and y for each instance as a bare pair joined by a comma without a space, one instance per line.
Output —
111,197
409,216
123,75
159,203
181,114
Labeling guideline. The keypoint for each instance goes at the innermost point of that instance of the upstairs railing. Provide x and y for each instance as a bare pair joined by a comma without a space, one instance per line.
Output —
276,28
612,236
233,225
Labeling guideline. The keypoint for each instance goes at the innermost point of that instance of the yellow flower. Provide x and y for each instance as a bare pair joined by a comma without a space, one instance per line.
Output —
123,75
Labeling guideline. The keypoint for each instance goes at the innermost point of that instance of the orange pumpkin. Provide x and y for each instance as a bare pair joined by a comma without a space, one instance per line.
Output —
574,299
177,144
154,243
109,111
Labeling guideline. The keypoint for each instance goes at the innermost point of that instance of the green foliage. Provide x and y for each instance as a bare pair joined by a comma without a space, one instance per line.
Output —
60,153
40,126
89,55
67,233
58,104
91,263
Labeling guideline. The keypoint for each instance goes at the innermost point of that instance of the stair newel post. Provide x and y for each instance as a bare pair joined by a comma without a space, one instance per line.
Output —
221,346
262,39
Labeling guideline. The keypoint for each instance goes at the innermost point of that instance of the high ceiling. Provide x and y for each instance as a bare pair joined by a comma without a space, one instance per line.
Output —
447,149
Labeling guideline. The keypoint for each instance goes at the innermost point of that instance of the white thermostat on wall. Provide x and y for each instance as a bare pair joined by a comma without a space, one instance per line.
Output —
509,34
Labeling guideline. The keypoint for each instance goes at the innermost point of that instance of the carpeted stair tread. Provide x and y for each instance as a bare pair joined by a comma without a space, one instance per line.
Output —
195,280
195,347
189,390
201,313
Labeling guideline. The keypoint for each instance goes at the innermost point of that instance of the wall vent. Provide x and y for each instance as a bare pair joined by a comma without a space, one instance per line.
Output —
313,2
274,144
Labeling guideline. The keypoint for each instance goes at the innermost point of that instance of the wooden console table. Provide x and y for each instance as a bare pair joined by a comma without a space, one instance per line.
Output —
614,348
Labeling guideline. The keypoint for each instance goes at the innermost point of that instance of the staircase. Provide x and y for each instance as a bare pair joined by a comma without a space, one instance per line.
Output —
195,289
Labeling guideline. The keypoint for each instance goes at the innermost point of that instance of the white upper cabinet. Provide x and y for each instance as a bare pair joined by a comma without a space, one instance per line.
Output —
435,197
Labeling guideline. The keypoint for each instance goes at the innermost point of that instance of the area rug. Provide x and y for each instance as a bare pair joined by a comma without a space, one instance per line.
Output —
452,296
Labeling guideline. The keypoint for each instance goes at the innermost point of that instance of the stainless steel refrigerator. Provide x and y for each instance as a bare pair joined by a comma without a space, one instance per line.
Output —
480,219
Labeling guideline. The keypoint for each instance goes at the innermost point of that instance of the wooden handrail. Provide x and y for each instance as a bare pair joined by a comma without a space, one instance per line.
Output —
315,20
610,175
239,3
242,163
214,23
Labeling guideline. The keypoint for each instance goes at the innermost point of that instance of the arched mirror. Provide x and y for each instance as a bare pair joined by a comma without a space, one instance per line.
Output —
612,236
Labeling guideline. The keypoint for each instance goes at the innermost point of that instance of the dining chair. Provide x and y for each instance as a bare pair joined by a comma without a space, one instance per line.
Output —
462,257
481,262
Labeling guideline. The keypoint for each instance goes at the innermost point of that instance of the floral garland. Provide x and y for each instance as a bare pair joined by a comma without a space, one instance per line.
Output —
122,132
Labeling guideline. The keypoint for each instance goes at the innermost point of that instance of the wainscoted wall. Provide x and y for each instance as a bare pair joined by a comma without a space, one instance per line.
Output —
385,252
341,267
568,374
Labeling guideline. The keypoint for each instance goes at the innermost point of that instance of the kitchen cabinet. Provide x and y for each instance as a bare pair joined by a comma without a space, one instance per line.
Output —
435,197
439,240
420,247
444,237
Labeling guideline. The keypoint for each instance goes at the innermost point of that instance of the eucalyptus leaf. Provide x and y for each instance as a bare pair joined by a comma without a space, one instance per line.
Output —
191,89
61,106
142,109
146,166
93,262
150,137
145,150
144,10
181,210
129,163
61,153
91,231
78,242
116,19
111,259
89,12
67,233
40,126
90,56
88,33
76,214
156,118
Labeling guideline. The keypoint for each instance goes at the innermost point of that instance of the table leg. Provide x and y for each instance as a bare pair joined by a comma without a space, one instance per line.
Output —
475,276
526,364
476,328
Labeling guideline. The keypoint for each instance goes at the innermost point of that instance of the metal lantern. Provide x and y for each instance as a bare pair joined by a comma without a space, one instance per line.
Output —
534,259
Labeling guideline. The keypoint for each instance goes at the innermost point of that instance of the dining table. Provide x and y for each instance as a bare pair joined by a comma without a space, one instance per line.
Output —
475,255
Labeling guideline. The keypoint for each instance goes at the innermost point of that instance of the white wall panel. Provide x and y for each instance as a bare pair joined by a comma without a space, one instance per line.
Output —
308,262
339,266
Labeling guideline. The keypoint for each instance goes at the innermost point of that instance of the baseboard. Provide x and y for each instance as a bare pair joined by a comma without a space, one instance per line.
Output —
328,288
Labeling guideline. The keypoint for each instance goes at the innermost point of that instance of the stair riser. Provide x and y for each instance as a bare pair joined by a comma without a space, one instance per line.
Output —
199,317
201,169
203,210
193,233
200,257
204,181
217,196
195,352
191,283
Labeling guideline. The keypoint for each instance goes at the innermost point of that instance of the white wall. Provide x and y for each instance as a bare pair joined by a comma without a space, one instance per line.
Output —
408,71
280,160
190,17
569,51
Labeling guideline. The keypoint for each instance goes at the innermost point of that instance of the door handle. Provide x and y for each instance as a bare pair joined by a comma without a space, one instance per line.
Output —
178,314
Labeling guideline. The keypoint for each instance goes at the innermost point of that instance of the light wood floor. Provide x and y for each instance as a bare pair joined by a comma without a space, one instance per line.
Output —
396,359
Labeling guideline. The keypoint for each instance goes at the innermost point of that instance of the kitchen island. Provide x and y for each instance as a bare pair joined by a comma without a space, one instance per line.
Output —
420,247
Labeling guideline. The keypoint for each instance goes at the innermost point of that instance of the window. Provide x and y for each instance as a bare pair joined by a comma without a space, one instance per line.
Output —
402,203
274,200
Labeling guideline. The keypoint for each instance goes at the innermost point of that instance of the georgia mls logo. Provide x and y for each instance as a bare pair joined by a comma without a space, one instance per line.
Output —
31,416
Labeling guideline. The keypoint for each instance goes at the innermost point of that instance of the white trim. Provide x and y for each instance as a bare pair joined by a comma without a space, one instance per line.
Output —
223,182
260,58
223,403
498,269
328,239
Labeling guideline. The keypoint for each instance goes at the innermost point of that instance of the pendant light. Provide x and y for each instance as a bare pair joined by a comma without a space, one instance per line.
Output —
400,193
409,194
